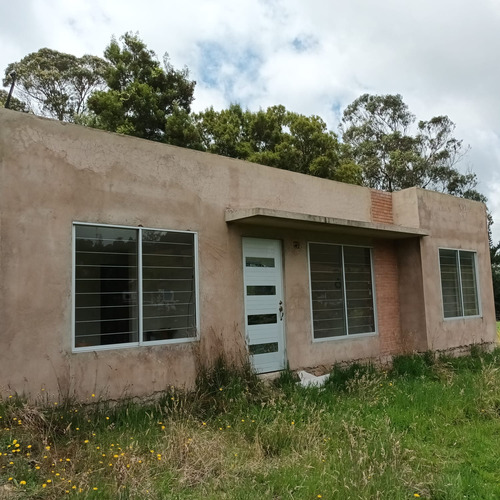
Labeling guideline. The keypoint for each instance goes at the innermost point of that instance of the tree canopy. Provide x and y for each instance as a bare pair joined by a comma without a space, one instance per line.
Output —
140,93
54,84
275,137
396,153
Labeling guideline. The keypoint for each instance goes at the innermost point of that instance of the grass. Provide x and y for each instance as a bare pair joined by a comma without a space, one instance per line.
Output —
429,428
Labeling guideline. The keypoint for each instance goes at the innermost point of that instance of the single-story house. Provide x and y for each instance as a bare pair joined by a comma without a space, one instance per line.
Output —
126,264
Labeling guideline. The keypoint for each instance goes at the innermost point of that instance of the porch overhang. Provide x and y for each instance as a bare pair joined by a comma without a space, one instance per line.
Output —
257,216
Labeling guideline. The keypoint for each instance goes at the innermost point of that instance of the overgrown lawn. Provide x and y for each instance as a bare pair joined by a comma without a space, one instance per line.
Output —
429,428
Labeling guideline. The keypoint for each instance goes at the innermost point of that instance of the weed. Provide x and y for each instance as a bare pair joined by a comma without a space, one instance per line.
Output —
414,365
427,428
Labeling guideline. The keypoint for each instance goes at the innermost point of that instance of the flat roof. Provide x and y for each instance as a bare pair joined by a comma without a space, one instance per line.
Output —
258,216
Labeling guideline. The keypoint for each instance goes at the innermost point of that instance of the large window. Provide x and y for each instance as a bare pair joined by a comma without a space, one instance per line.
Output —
133,286
458,283
341,290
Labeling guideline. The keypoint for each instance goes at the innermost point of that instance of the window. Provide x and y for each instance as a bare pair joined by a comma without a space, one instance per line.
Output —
341,290
133,286
458,283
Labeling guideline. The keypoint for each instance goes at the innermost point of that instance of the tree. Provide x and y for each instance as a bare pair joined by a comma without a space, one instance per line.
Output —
15,104
377,129
141,93
55,84
274,137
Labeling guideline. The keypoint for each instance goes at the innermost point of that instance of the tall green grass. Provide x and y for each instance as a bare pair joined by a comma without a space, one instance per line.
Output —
428,428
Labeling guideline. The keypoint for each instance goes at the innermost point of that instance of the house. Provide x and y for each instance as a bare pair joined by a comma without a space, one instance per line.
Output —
125,264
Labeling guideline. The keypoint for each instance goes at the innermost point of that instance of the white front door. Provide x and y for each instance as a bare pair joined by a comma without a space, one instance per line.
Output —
264,306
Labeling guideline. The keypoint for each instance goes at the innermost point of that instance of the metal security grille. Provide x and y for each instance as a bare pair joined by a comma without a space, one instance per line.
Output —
133,285
458,283
341,290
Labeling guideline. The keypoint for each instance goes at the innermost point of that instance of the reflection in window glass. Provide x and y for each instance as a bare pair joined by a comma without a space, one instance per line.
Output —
341,290
261,290
262,319
259,262
263,348
458,283
108,266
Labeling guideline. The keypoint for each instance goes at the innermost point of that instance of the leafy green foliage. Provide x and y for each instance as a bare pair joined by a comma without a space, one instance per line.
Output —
141,93
378,131
274,137
56,84
15,104
495,269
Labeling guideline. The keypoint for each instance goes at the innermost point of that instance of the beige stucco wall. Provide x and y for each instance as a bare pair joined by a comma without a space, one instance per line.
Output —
450,223
459,224
53,174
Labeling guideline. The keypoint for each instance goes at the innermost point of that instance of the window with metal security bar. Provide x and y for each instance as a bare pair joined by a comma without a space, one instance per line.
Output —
458,283
133,286
341,290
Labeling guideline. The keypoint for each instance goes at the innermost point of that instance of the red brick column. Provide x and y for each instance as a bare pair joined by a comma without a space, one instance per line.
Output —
381,207
387,297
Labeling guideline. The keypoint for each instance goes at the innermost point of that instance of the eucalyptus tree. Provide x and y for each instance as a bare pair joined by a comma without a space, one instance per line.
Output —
55,84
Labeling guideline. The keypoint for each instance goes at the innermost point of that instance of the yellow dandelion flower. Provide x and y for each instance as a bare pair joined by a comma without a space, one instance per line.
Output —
47,447
44,485
416,495
93,395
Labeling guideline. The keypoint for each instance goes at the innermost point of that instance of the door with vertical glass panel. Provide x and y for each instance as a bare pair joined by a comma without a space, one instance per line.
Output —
264,308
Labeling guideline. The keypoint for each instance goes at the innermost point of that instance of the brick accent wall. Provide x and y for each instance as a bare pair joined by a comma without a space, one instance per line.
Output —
387,298
381,206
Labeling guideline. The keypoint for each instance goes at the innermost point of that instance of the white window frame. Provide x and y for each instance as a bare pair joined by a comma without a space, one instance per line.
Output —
346,336
141,342
478,289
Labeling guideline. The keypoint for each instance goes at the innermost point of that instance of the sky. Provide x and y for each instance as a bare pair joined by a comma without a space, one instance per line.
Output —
313,57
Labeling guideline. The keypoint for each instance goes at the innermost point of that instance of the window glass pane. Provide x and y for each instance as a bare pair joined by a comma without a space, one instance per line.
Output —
262,319
450,284
168,284
468,276
263,348
327,292
359,290
261,290
259,262
106,302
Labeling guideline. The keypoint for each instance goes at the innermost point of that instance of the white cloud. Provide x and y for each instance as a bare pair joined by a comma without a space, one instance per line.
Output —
313,57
